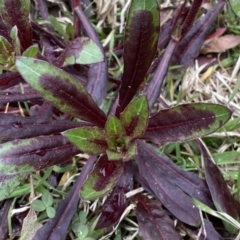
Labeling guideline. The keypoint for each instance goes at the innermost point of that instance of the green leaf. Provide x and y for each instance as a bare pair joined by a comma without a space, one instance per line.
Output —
113,156
38,205
57,26
50,212
31,52
83,231
47,199
61,89
114,127
80,51
102,179
135,117
16,41
6,48
88,139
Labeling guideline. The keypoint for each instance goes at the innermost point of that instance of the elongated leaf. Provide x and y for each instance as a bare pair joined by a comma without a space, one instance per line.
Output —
19,158
187,181
222,198
116,203
155,85
15,40
188,21
16,13
98,73
3,30
59,88
114,127
43,9
189,47
80,51
209,232
76,21
89,139
153,221
185,122
135,117
174,199
16,127
4,221
140,42
6,48
102,179
18,97
57,227
9,79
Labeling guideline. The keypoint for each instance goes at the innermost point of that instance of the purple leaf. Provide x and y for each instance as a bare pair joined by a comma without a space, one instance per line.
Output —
185,122
222,198
3,30
4,219
153,221
16,127
76,21
43,111
140,43
102,179
154,87
21,157
142,181
57,227
187,181
43,33
209,232
9,79
16,13
116,203
42,6
18,97
62,90
188,21
173,198
167,28
189,46
98,73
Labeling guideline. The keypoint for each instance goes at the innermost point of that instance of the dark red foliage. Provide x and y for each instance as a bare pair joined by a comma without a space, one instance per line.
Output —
153,221
169,125
116,203
14,14
174,199
105,171
16,127
190,44
188,22
137,46
33,141
9,79
3,219
222,197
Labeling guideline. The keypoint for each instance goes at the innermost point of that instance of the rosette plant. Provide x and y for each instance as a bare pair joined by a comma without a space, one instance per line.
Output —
66,119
